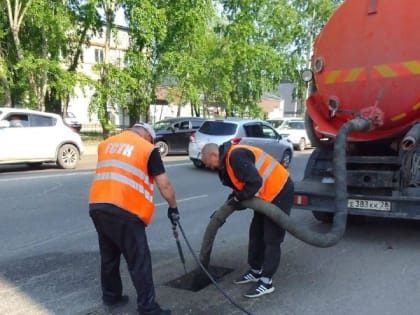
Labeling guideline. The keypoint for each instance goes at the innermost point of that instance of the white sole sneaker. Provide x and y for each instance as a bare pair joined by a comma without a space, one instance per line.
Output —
259,289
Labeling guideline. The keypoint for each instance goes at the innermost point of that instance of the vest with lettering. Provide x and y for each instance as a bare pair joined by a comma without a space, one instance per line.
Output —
121,175
273,174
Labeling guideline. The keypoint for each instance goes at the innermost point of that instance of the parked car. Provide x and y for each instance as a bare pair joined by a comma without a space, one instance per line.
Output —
173,135
34,137
71,120
244,131
293,129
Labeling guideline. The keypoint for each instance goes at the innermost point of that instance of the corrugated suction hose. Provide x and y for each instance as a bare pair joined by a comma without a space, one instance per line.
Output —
303,233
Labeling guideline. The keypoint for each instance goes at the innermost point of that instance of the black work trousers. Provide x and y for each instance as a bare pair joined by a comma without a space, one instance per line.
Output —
265,236
120,232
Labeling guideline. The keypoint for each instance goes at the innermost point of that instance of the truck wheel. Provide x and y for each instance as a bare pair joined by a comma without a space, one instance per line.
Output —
68,156
163,148
325,217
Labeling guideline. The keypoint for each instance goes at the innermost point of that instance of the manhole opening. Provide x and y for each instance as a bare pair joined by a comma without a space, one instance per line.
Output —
196,280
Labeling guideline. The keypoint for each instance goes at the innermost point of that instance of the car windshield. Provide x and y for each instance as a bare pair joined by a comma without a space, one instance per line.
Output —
275,123
218,128
163,124
297,125
70,115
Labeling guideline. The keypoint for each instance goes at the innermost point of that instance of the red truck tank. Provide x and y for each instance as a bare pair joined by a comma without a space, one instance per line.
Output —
366,62
366,65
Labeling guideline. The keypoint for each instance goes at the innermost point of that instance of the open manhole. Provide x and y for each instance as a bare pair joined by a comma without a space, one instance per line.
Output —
196,280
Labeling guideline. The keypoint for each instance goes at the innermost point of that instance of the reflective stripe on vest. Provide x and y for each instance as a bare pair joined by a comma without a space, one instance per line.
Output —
129,168
121,175
273,174
125,180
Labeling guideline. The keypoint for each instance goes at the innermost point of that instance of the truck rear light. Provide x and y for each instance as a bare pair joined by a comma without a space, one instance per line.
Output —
300,200
236,140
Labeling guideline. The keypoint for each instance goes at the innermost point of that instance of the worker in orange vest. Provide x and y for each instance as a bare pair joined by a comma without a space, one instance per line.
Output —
251,172
121,206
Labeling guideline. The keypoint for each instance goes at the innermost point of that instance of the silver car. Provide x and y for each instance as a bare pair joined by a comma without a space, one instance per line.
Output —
257,133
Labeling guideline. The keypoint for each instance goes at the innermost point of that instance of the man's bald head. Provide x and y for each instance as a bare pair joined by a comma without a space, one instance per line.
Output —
210,155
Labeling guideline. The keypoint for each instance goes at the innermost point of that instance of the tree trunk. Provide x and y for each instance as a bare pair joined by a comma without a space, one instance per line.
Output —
109,9
7,97
15,20
44,77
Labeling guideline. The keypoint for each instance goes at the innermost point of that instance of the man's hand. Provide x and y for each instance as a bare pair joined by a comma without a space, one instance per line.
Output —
234,202
173,215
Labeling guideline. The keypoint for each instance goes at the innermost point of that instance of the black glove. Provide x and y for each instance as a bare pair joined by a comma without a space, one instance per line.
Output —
236,204
173,215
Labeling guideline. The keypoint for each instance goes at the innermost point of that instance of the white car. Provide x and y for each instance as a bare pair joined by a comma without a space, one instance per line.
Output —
71,120
293,129
34,137
244,131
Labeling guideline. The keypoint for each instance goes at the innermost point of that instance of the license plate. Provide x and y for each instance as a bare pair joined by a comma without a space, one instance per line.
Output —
369,204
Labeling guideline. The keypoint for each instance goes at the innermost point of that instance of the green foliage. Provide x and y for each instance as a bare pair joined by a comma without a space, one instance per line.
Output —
224,53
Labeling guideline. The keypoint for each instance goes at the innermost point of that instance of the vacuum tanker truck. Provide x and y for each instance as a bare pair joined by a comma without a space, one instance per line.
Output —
363,112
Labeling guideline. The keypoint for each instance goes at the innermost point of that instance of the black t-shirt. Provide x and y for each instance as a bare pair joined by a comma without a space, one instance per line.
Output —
155,164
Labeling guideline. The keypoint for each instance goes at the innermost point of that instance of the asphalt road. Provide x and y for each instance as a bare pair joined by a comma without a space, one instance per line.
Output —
49,261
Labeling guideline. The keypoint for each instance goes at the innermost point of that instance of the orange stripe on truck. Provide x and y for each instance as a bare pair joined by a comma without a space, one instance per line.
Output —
349,75
355,74
378,71
385,71
398,117
413,66
332,76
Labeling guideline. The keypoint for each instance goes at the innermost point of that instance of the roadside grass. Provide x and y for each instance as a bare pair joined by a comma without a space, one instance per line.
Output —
91,137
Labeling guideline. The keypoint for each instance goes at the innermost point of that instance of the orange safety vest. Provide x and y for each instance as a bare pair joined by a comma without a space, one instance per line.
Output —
273,174
121,175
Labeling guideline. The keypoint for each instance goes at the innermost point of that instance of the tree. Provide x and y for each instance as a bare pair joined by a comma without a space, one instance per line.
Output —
42,33
184,48
5,93
107,89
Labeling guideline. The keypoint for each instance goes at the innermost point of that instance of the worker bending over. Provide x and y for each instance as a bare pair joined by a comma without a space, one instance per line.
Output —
251,172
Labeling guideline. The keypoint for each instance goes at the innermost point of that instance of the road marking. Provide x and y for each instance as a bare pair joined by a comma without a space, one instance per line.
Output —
45,175
180,164
182,200
74,173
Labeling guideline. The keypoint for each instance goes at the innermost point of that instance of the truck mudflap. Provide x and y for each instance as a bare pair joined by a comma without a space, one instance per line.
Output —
319,196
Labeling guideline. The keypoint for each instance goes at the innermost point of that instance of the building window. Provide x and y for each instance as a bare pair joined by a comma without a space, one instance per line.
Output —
99,55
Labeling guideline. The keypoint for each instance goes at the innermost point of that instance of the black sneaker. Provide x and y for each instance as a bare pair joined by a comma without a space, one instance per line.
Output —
248,277
260,288
115,301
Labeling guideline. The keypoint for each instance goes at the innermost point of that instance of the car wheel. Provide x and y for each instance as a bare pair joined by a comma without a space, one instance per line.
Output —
286,158
68,156
163,148
302,145
197,163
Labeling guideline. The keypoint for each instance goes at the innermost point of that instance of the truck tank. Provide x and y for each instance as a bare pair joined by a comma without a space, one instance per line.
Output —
363,114
366,62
